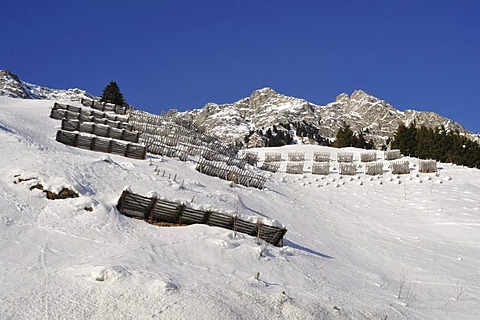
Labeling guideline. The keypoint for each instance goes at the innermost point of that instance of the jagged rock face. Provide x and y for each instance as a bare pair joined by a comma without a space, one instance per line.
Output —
265,108
12,86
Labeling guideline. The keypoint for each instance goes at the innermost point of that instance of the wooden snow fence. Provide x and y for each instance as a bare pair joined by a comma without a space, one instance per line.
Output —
348,169
392,155
94,143
345,157
230,173
167,125
104,106
427,166
100,130
270,166
321,168
180,152
155,210
296,156
250,157
368,156
295,167
400,167
273,157
374,168
60,112
321,156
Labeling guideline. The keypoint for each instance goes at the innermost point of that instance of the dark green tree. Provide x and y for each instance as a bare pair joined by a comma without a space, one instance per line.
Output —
112,94
344,137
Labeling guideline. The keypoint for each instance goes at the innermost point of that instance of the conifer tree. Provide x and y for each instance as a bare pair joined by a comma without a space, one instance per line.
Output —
112,94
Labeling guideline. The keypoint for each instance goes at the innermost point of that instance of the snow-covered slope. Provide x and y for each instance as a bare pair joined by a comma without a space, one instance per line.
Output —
12,86
351,241
266,108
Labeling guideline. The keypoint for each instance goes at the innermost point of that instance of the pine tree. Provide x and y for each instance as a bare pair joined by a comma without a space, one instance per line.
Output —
112,94
345,137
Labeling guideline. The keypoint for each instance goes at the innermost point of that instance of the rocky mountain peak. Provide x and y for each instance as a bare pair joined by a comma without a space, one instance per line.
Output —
251,117
12,86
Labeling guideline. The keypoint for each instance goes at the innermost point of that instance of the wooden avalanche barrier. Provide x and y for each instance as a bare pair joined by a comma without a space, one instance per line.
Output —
100,130
321,168
321,156
427,166
368,156
374,168
155,210
345,157
400,167
230,173
348,169
94,143
295,167
273,157
104,106
296,156
392,154
270,166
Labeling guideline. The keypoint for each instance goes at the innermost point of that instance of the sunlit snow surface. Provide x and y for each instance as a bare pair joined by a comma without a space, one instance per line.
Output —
349,239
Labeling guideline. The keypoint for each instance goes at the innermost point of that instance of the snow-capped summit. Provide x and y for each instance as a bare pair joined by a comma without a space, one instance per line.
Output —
12,86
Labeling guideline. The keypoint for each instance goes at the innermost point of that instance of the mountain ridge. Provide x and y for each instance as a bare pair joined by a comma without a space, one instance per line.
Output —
12,86
267,109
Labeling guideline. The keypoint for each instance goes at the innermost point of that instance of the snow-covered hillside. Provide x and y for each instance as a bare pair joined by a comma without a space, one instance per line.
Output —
352,241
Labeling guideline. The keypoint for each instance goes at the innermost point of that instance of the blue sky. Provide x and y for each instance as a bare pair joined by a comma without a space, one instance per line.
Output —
422,55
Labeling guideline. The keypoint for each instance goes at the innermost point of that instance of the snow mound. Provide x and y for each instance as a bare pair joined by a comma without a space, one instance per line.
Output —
109,273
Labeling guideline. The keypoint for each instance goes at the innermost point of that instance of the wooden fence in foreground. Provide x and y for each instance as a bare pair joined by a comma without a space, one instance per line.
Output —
156,210
94,143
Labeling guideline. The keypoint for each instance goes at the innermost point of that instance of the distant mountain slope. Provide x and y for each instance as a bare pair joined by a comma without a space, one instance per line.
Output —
266,108
12,86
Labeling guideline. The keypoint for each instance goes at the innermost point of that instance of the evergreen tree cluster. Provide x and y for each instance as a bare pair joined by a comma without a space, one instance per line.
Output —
112,94
346,138
438,144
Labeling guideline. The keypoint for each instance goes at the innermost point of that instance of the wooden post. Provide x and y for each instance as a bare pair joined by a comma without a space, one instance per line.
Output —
126,149
178,218
121,201
151,209
92,143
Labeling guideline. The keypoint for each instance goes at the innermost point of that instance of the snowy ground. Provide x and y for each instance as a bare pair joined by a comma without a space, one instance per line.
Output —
351,241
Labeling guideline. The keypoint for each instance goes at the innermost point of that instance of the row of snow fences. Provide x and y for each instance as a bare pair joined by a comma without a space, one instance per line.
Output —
273,157
270,166
100,130
97,117
230,173
427,166
392,154
89,112
104,106
155,210
295,167
94,143
180,152
165,125
400,167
